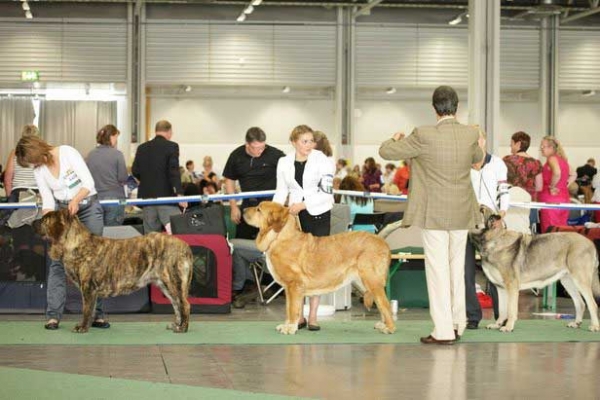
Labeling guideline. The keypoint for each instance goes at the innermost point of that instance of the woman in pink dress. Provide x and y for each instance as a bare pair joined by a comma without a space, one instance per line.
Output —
555,175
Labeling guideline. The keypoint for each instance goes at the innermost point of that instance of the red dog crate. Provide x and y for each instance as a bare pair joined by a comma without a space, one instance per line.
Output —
210,291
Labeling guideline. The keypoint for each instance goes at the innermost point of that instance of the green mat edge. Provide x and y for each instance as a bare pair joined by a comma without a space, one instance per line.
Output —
23,383
263,333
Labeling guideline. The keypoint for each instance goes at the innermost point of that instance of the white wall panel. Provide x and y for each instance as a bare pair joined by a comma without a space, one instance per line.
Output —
222,54
427,56
411,56
66,51
519,58
443,57
386,56
177,53
579,59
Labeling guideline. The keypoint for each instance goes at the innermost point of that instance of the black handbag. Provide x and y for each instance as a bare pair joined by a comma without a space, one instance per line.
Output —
203,219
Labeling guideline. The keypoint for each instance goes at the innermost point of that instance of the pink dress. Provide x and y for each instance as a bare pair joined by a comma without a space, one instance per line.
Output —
554,217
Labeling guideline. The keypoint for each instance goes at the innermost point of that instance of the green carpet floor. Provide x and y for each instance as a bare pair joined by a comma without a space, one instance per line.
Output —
247,332
19,383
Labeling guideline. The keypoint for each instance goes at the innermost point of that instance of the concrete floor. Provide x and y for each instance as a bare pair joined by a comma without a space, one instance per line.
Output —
414,371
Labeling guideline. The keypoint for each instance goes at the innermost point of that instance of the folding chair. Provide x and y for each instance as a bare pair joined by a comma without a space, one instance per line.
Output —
376,219
259,265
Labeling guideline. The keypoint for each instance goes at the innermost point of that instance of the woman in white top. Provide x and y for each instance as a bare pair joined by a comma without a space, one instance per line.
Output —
305,178
64,181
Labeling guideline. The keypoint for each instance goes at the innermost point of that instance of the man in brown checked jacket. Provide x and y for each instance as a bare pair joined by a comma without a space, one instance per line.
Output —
442,202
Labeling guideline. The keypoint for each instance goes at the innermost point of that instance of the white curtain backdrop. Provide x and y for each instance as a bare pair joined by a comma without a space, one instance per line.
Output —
75,123
14,114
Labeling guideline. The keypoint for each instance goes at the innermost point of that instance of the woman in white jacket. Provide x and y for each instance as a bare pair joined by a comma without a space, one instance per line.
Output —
305,178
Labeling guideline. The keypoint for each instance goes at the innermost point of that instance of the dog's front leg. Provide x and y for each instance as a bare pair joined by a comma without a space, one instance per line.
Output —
502,309
512,292
293,300
88,305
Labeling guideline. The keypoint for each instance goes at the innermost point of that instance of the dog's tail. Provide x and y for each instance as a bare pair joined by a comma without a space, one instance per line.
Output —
368,299
596,283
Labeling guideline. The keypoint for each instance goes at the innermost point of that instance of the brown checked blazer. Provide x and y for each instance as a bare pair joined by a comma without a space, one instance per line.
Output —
441,196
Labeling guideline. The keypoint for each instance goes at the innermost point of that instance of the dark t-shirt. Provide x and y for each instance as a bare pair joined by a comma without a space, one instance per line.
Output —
585,173
299,171
253,173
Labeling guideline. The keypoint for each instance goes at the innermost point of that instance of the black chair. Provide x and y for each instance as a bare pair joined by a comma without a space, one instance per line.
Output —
376,219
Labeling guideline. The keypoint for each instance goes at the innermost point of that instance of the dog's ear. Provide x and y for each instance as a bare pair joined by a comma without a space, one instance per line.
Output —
54,224
490,223
278,218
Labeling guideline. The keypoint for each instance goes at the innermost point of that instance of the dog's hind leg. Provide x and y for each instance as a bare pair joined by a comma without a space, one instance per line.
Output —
571,288
585,288
375,290
88,300
177,304
386,325
502,309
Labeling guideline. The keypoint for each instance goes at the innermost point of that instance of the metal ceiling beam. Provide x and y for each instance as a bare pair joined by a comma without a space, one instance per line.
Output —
580,15
366,9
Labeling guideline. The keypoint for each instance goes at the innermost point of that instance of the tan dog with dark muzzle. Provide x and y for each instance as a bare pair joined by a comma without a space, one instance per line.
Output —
109,267
306,265
515,261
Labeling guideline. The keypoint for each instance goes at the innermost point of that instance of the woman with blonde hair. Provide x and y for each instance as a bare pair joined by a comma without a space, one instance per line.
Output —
16,177
555,181
306,177
64,181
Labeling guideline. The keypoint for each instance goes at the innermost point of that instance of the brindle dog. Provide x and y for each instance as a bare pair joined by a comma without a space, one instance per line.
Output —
109,267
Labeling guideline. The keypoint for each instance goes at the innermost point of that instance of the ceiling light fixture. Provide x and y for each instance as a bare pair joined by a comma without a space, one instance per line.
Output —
25,6
256,2
188,88
241,18
249,9
390,90
588,93
286,89
28,15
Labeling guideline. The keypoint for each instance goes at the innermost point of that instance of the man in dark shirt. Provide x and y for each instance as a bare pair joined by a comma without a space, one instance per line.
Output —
254,165
585,174
156,167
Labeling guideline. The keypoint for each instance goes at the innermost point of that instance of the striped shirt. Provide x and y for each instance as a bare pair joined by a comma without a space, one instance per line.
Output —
23,177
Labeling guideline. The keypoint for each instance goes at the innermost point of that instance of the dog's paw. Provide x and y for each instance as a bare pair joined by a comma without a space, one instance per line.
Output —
574,325
493,326
178,328
594,328
80,329
383,328
505,329
287,329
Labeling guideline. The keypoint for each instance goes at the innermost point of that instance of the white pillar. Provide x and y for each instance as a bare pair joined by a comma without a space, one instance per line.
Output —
549,75
345,83
484,67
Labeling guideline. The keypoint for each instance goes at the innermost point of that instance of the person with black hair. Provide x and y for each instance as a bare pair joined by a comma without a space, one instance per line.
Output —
254,166
443,204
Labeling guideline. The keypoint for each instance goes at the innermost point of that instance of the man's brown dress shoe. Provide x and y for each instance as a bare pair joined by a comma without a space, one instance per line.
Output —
431,340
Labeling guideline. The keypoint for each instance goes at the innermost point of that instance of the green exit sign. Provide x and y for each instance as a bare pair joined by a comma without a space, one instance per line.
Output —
30,76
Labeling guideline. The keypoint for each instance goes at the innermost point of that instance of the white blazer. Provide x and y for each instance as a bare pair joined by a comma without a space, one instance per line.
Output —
318,174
